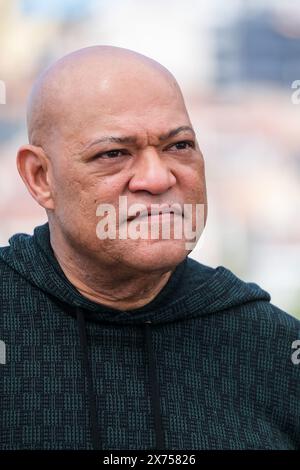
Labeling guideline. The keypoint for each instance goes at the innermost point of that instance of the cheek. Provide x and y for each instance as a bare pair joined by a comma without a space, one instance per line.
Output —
69,194
191,178
99,190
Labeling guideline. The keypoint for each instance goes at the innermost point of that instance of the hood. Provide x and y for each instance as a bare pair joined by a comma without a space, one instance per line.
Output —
193,290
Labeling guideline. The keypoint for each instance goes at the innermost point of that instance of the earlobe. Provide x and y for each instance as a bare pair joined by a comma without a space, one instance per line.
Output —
33,167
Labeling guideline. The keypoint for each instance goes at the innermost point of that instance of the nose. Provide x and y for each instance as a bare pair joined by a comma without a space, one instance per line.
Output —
151,174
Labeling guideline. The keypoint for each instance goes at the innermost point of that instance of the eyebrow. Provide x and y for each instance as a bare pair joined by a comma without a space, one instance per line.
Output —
133,139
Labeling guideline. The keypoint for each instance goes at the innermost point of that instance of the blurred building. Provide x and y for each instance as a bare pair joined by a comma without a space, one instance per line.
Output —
259,47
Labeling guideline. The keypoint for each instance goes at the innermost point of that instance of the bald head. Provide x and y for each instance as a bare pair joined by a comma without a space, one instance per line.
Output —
77,79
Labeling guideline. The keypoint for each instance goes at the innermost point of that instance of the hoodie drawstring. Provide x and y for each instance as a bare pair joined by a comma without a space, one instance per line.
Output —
154,387
95,430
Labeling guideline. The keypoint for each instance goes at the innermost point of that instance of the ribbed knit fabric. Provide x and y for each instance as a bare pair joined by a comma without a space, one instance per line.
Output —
205,365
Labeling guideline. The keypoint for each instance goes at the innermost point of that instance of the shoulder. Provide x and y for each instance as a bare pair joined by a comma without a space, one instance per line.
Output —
11,277
268,319
237,303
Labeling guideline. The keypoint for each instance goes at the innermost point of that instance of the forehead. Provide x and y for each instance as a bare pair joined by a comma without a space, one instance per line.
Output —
137,121
133,106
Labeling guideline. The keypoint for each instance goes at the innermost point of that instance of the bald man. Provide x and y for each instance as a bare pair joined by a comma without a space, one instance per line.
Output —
111,336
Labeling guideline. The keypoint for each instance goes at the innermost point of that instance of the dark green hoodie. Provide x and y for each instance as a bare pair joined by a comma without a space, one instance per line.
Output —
206,365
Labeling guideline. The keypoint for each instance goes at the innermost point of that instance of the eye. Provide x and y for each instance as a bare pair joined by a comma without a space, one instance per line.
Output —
183,145
116,153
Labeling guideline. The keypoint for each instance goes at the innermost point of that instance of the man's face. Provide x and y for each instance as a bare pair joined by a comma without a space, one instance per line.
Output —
148,168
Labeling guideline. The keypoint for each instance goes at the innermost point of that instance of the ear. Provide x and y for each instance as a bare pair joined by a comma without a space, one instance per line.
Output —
34,168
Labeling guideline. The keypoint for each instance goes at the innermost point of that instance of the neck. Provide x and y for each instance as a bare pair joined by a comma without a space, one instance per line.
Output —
114,286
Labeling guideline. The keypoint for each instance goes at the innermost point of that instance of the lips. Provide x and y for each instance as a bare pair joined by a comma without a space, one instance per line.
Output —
153,210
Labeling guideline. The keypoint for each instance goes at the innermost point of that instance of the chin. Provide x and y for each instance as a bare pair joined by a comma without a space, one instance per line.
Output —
149,256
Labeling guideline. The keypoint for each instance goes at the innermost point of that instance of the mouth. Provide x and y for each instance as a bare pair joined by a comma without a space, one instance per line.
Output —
151,211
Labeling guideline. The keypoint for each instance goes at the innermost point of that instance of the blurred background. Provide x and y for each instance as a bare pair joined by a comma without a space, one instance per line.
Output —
236,62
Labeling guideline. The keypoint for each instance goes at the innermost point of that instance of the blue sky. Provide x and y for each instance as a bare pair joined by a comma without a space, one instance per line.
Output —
71,9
